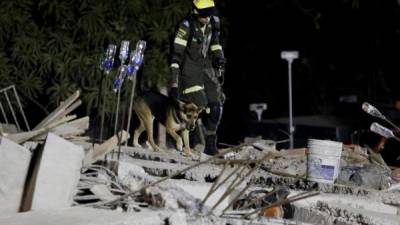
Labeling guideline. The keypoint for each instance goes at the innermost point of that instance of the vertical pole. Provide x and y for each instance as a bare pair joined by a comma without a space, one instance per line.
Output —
20,108
130,106
4,113
116,112
100,103
291,128
12,111
162,135
116,122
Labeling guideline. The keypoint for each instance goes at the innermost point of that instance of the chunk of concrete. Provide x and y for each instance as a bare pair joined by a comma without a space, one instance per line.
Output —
85,216
58,174
102,192
14,164
199,190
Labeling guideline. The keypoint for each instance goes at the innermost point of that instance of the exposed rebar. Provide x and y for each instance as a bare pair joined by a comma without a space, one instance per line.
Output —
178,172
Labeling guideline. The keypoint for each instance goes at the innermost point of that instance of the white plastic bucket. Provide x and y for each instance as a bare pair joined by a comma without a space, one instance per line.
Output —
323,160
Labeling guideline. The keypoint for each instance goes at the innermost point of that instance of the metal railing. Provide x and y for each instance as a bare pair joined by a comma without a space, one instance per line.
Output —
6,91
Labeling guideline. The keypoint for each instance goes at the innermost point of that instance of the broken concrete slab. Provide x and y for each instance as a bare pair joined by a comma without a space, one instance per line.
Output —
288,164
199,190
313,216
358,202
395,174
90,216
353,215
102,192
84,216
161,169
14,164
170,155
347,209
169,193
368,176
265,145
57,174
133,176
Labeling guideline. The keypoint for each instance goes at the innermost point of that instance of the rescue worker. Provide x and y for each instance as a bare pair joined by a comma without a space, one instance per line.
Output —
197,56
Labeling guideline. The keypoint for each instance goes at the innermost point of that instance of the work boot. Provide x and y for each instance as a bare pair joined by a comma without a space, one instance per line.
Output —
211,145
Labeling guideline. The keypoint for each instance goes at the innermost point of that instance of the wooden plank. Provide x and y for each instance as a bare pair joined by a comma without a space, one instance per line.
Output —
81,123
69,130
25,136
58,111
100,151
70,109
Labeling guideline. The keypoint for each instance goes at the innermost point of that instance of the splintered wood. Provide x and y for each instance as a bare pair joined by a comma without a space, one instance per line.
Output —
98,152
58,122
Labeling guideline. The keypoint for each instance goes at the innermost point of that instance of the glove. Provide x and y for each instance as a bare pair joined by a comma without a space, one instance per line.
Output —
173,93
174,76
219,63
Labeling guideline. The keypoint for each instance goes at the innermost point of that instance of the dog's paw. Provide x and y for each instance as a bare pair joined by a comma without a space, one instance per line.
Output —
187,152
195,156
158,149
137,145
204,157
179,145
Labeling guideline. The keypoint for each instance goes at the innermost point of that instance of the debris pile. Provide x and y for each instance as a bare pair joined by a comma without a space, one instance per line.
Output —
53,173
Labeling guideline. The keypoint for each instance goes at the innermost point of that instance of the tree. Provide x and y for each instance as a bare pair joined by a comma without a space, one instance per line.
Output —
49,48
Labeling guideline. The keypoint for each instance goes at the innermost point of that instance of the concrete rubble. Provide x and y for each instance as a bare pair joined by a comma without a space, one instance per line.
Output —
14,161
54,175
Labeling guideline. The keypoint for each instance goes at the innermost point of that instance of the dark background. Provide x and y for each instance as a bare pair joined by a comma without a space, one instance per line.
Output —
48,49
346,48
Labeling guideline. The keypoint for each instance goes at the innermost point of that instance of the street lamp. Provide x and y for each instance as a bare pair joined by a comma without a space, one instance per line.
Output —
289,56
258,108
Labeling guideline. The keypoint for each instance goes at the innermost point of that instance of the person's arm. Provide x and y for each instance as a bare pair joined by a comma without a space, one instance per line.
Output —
180,42
216,48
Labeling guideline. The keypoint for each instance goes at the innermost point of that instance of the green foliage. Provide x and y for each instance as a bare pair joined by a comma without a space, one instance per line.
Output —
48,48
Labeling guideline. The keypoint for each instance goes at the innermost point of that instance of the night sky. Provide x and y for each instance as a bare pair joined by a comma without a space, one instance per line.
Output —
347,47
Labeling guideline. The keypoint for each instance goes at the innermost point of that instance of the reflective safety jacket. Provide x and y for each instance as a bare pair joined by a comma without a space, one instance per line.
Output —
196,46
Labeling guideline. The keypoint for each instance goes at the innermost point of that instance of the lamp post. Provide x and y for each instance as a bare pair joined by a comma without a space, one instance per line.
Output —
289,56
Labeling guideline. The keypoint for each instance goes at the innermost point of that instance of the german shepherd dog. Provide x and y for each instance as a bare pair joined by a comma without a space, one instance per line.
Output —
174,115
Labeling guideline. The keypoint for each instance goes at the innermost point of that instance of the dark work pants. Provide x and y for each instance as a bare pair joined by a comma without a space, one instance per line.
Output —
210,97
